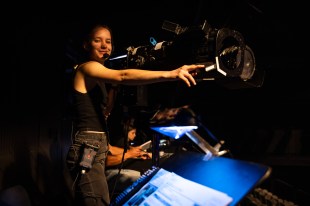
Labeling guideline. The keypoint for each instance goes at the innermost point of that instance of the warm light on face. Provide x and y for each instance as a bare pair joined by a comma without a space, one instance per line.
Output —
100,44
132,134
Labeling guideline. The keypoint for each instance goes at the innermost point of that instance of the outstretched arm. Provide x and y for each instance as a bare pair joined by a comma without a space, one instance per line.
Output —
185,73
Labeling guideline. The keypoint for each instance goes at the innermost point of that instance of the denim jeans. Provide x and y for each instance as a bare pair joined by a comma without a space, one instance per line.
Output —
118,182
90,188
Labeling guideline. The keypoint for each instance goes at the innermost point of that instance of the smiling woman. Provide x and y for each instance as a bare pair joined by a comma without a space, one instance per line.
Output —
33,45
90,100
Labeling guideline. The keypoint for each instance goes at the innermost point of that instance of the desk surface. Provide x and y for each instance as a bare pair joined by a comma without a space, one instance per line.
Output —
234,177
143,165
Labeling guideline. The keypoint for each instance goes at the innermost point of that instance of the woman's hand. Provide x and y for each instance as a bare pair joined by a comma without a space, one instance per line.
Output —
146,156
134,152
137,152
187,73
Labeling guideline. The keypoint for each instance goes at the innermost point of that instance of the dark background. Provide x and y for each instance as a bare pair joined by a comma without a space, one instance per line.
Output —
266,124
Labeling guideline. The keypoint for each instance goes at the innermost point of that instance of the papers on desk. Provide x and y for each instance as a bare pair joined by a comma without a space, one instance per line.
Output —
167,188
145,146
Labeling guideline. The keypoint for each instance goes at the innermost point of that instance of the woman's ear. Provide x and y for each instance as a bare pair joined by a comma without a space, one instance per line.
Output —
86,46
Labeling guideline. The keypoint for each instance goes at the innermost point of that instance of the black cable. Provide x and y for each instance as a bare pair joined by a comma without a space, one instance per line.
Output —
118,174
125,147
125,131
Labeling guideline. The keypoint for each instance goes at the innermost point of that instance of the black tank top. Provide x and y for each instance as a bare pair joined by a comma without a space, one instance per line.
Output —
89,108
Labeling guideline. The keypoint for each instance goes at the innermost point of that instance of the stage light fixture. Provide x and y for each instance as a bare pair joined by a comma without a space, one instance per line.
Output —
223,51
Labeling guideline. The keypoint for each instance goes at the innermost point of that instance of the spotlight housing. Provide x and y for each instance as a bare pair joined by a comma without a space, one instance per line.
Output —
223,51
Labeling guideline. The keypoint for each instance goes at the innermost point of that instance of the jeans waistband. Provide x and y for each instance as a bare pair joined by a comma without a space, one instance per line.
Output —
90,132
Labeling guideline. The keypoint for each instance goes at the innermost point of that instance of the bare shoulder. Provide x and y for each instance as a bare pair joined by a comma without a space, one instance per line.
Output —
91,65
91,68
95,69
